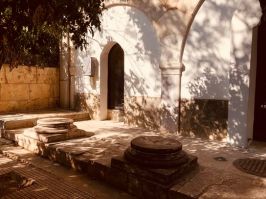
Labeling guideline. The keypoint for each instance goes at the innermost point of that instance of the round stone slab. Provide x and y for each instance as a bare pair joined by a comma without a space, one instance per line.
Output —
55,122
156,144
47,130
157,161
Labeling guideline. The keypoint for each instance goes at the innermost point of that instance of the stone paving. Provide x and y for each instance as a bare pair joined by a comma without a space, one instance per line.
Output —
216,177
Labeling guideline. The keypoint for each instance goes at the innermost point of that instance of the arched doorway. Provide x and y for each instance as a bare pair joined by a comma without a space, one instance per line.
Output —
260,91
115,78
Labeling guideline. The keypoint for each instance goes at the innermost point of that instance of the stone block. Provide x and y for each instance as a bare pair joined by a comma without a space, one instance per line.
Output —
117,178
134,185
151,190
12,106
11,92
21,75
47,75
81,163
2,75
38,104
52,102
38,91
165,177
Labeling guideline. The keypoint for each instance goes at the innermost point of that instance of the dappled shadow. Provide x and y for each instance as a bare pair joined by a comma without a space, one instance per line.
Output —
207,52
217,59
204,118
88,102
141,112
208,84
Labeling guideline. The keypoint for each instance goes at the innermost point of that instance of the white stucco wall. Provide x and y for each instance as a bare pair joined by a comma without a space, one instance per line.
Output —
132,30
207,52
218,58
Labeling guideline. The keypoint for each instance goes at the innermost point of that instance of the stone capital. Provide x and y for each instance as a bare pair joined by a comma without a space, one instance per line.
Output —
175,69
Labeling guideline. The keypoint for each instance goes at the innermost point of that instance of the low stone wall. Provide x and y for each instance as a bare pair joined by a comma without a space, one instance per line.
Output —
205,118
28,88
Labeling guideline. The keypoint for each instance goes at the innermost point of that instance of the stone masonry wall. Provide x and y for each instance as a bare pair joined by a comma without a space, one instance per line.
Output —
28,88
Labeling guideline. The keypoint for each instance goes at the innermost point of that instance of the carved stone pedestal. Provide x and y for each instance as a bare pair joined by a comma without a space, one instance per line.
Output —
153,163
54,129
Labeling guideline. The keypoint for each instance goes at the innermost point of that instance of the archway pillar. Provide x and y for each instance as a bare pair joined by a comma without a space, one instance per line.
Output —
170,97
245,18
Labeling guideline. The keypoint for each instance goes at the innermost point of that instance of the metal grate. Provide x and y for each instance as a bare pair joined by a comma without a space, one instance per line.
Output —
252,166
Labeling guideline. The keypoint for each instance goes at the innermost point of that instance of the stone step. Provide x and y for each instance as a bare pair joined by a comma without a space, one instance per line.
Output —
116,115
95,161
26,120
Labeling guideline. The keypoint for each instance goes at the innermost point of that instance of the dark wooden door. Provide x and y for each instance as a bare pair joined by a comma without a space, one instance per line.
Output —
260,96
116,77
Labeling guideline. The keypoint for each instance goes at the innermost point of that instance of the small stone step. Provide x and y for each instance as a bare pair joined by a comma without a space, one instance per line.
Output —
19,121
116,115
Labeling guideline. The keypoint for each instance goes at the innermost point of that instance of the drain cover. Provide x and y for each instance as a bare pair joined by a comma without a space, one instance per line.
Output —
252,166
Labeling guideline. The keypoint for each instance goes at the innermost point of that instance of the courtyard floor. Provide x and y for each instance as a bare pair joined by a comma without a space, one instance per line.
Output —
218,178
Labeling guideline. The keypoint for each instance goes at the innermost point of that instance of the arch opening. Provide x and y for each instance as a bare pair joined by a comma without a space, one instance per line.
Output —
111,79
115,78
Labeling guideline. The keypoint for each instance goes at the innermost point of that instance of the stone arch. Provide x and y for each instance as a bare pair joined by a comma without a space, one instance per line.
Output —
193,15
141,54
116,78
104,80
240,18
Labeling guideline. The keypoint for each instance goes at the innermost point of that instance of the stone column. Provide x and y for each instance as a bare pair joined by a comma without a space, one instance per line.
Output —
64,73
246,16
72,92
170,97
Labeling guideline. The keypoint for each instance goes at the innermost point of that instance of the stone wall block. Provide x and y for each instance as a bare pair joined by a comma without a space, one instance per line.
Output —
11,92
37,104
53,102
47,75
20,75
12,106
38,91
2,75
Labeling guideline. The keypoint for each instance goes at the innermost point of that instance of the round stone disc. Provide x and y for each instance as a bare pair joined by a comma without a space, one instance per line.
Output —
47,130
156,144
54,122
159,161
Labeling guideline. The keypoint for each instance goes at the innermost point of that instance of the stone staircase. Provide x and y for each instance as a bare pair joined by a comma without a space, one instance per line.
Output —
98,151
12,126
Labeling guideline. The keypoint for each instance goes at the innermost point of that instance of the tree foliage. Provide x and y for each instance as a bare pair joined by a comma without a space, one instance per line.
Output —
30,30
